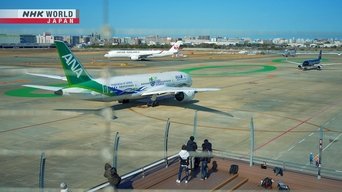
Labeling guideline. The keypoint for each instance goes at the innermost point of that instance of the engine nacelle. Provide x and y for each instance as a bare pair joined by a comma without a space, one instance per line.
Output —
59,92
65,91
135,57
185,96
319,67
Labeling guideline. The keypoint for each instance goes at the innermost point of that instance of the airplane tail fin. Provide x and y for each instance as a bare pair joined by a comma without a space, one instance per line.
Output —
320,55
73,69
175,47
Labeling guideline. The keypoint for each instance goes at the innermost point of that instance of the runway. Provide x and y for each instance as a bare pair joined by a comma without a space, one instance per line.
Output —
288,107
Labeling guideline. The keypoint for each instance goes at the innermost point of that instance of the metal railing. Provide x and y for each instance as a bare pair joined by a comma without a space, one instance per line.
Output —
136,172
286,165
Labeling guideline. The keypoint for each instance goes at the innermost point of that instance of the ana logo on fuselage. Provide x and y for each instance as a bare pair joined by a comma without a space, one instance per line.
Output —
152,81
75,66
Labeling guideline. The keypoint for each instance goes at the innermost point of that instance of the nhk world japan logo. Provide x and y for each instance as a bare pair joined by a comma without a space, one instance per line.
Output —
39,16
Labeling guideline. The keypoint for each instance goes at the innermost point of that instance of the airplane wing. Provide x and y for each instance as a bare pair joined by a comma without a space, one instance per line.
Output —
147,55
62,90
327,64
144,56
293,62
49,76
173,90
49,88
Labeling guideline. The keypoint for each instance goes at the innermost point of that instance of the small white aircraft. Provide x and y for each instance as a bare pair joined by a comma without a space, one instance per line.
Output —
144,54
289,53
120,88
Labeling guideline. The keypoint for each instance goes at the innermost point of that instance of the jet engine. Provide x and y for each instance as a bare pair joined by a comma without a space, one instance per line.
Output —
59,92
185,96
135,57
62,92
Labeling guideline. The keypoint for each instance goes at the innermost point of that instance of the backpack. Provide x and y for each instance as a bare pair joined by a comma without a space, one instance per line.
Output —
116,179
184,161
267,183
234,169
113,171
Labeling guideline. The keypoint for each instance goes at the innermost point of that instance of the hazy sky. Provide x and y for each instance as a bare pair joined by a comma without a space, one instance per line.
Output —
264,18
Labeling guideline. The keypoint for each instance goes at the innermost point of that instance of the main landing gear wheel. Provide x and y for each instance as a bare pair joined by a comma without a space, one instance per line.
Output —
124,101
153,101
153,104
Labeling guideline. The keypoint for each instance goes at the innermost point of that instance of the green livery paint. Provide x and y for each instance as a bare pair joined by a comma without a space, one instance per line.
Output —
76,74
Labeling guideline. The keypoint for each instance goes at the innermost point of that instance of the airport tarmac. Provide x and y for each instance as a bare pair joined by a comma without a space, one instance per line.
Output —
288,107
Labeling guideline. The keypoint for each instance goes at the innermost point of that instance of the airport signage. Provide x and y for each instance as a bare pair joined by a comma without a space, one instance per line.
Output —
39,16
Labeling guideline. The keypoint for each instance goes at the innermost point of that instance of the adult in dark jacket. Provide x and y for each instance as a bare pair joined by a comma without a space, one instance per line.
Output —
205,158
191,144
206,146
191,147
110,173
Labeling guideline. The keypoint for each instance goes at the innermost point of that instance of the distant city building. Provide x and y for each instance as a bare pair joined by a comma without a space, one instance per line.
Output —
28,39
7,39
152,40
58,38
137,41
46,38
86,39
67,39
116,41
95,39
74,40
204,37
127,40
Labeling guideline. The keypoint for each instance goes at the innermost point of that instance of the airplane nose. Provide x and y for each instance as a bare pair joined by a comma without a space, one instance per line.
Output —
106,55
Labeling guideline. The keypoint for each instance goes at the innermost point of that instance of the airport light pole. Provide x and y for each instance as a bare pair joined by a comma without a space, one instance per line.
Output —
116,148
166,138
41,172
195,125
320,147
251,153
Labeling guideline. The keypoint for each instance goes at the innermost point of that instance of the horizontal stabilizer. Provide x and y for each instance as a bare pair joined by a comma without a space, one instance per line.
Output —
49,76
49,88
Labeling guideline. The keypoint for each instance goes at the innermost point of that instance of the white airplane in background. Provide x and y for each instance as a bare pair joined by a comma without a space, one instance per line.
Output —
144,54
120,88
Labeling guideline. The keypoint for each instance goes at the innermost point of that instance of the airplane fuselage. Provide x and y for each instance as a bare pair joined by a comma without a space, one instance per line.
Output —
143,54
129,86
163,54
311,64
133,54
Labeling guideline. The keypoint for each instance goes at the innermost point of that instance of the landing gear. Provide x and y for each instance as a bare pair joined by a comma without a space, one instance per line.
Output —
124,101
153,104
153,101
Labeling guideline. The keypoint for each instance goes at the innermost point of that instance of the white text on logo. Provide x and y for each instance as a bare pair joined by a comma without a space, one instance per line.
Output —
75,66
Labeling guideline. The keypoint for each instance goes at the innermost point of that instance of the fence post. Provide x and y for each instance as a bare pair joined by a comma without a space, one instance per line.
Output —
116,148
195,125
41,172
320,147
166,138
251,153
